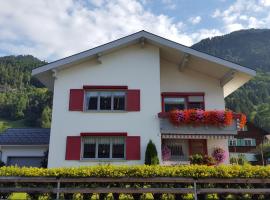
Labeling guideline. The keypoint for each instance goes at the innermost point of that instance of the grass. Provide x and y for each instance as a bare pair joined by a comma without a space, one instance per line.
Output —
4,124
18,196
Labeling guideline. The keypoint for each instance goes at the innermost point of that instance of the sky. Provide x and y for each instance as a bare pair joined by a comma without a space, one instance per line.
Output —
53,29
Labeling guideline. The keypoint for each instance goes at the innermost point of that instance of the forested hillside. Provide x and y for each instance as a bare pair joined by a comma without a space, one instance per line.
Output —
22,98
250,48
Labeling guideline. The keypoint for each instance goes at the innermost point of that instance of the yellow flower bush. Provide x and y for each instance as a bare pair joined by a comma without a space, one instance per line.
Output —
192,171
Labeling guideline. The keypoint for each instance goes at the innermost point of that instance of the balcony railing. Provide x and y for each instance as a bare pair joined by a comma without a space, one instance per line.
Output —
204,123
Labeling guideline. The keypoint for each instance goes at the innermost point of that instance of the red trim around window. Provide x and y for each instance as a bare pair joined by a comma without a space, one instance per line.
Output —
104,134
177,94
180,94
105,87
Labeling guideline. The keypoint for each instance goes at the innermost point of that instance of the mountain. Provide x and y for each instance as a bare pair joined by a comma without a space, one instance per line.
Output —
250,48
24,101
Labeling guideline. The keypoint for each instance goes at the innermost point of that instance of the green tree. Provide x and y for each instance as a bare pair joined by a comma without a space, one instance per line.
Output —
46,117
151,157
39,98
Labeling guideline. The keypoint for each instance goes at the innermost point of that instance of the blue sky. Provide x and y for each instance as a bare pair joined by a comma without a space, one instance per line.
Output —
52,29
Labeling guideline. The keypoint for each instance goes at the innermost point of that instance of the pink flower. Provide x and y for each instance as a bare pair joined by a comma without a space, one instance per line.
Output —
180,116
200,115
220,116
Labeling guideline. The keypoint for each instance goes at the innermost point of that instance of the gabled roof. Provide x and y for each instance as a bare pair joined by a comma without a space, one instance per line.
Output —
133,38
25,136
231,75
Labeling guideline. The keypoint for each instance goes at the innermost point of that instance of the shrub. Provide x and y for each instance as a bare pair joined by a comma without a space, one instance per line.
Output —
202,160
193,171
151,157
239,160
44,161
209,160
196,159
2,163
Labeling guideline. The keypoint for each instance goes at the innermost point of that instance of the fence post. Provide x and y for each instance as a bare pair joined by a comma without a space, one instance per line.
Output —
195,191
58,188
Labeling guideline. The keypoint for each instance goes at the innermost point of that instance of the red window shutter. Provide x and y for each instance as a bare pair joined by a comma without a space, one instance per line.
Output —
133,100
76,99
133,148
73,148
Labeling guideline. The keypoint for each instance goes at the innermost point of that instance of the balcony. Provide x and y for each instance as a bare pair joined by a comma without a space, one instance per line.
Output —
195,122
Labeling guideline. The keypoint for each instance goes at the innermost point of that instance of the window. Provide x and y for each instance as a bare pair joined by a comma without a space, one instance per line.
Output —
178,148
105,100
249,142
172,103
119,101
195,102
103,147
232,142
182,101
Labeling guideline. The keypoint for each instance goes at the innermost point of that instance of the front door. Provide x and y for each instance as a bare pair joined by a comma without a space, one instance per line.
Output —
197,147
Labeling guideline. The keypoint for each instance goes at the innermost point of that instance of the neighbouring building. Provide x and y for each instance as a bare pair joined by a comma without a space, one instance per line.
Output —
109,101
246,141
24,146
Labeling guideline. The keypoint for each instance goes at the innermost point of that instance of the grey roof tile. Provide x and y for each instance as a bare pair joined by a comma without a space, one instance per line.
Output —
25,136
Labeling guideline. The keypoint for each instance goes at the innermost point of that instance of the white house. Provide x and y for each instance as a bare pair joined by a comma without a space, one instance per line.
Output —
111,100
24,146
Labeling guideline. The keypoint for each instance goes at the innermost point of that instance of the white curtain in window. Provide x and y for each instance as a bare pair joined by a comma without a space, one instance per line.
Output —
104,140
118,140
119,94
195,98
105,94
171,100
91,94
89,140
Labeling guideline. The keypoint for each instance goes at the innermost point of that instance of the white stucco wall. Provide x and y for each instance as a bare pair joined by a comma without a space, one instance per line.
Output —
136,67
22,151
218,143
172,80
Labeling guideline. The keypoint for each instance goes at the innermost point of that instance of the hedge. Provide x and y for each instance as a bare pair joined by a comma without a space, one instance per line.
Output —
193,171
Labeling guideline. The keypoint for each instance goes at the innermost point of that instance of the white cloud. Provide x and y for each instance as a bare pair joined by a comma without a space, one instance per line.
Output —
97,2
217,13
265,3
170,4
195,20
205,33
51,29
234,27
242,14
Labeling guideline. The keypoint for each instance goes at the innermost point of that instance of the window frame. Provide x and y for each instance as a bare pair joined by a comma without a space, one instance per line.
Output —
248,139
234,142
85,104
184,95
96,149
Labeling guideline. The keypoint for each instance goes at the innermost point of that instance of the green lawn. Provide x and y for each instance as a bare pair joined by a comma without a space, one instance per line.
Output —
18,196
4,124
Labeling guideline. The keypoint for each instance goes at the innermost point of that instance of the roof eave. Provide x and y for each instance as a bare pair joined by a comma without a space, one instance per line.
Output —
135,38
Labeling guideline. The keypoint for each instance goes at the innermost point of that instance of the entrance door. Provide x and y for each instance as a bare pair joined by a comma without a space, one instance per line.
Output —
197,147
